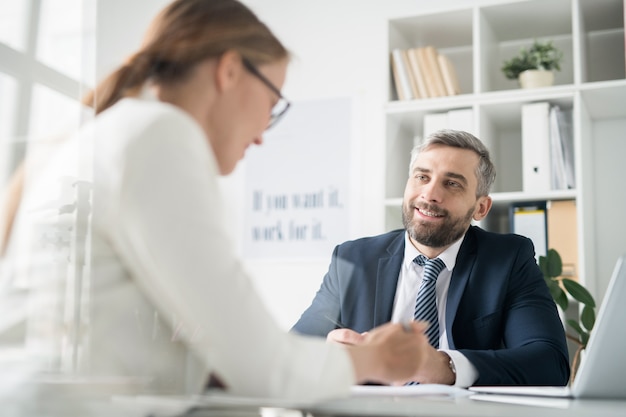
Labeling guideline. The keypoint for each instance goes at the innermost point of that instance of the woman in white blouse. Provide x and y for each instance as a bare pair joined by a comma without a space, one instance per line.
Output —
124,221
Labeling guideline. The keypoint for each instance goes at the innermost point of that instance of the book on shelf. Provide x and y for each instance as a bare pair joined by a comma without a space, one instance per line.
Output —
435,77
529,218
448,73
563,234
422,73
422,62
418,75
410,74
536,166
400,76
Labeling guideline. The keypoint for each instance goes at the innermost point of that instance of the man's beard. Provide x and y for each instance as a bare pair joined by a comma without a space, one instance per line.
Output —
431,235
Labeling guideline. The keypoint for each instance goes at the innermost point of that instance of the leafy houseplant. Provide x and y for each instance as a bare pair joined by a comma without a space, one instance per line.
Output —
542,56
560,287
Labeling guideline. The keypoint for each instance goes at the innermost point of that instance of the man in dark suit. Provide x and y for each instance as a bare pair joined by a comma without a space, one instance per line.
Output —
498,324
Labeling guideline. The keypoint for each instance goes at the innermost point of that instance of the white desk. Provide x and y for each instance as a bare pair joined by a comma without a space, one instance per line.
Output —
414,406
445,407
358,406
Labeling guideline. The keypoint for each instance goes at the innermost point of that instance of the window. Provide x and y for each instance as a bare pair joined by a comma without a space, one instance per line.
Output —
47,60
8,96
66,36
13,23
51,112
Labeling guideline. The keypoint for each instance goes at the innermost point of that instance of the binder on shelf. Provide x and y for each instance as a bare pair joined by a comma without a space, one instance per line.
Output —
417,140
400,76
536,166
458,119
434,122
557,178
418,74
563,234
461,119
448,73
529,218
562,149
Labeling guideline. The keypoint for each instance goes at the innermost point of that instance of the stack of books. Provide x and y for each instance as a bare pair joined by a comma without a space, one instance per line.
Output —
423,73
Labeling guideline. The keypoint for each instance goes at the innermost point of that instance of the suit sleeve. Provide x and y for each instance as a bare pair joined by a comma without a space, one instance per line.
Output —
533,349
324,313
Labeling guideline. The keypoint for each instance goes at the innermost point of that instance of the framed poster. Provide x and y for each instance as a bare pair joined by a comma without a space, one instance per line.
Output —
297,184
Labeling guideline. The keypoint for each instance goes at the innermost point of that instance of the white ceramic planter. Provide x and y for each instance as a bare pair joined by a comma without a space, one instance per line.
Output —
536,78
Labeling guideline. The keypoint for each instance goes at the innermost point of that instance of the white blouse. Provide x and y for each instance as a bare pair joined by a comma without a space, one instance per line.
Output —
124,226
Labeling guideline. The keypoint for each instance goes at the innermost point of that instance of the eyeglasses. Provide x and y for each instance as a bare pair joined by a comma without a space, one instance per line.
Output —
281,106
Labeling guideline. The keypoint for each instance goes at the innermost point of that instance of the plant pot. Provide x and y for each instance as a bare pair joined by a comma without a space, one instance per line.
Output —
536,78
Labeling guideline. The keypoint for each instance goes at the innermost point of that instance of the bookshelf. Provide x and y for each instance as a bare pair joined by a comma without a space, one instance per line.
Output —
591,84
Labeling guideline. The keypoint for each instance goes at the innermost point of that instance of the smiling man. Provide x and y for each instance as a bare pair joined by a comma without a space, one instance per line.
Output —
491,318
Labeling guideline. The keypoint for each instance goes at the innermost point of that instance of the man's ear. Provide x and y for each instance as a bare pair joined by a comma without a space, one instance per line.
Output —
228,70
483,207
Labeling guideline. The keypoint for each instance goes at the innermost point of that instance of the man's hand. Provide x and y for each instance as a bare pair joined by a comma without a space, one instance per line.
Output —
396,354
346,337
435,368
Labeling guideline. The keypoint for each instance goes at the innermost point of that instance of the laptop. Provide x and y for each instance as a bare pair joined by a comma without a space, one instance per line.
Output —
603,369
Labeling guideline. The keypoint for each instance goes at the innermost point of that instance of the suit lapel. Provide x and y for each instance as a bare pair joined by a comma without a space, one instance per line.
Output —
460,275
387,280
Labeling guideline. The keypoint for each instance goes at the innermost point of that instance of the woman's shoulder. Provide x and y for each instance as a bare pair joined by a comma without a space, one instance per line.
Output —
135,121
147,113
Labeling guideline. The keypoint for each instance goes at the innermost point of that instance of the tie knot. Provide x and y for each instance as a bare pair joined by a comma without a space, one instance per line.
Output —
420,260
432,267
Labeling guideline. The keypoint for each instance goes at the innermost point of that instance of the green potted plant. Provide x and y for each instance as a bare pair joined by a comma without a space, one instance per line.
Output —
534,66
561,289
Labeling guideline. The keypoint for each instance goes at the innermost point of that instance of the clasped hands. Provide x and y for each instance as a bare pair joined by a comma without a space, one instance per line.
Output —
394,354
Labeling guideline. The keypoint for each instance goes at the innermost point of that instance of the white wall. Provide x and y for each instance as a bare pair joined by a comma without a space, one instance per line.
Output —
339,49
119,28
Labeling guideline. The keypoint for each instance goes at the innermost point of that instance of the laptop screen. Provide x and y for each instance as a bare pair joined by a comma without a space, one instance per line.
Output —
602,370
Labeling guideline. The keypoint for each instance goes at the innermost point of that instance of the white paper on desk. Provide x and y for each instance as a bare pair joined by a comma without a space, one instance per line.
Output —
227,400
144,405
408,390
523,400
212,405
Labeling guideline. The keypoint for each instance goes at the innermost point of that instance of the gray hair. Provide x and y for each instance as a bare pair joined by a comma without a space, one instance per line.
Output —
485,172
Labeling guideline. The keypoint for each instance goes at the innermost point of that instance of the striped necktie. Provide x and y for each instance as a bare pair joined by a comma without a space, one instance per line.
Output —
426,303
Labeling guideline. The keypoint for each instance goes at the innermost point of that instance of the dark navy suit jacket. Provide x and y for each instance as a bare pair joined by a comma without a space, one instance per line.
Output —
499,312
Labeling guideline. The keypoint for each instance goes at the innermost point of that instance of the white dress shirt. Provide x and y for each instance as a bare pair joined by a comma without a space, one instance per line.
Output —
406,294
165,300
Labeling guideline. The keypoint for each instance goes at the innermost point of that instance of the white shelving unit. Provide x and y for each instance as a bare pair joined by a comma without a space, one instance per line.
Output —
592,83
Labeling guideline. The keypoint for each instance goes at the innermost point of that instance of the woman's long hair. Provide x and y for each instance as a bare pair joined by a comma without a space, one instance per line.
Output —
182,35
